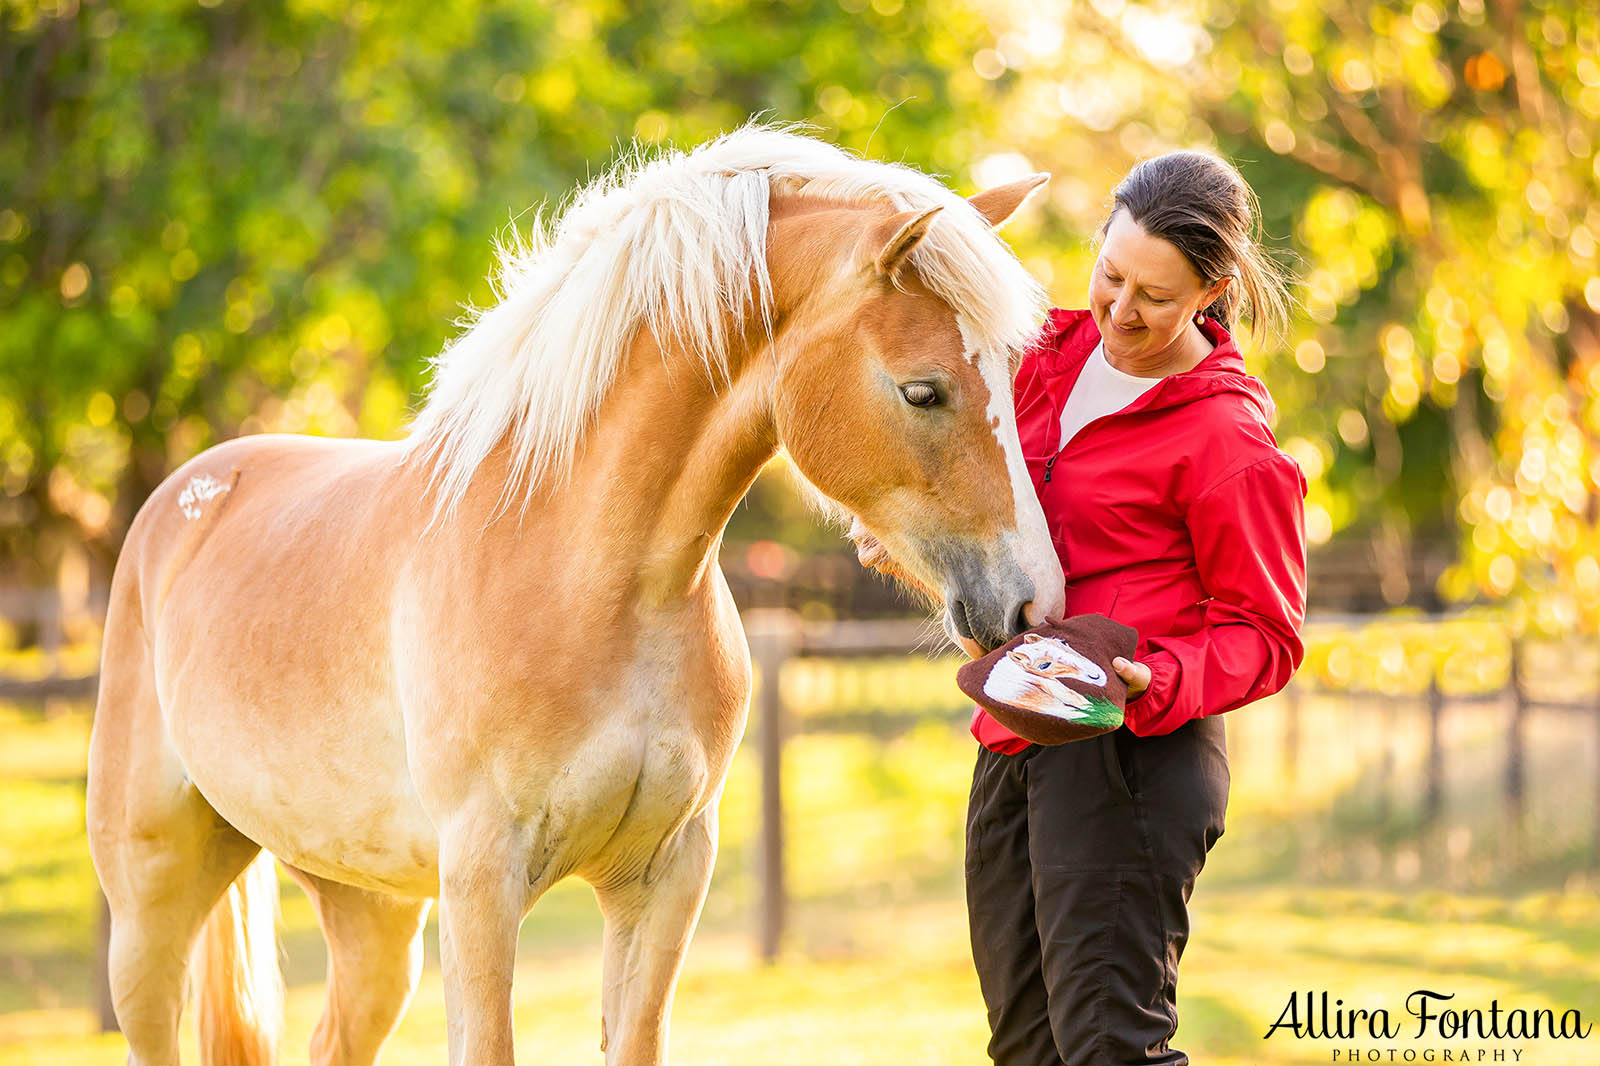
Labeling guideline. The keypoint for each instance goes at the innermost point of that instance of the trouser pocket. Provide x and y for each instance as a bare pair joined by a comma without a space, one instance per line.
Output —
1111,757
997,808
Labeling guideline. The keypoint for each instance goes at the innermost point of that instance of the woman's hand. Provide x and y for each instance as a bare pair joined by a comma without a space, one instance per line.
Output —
1135,675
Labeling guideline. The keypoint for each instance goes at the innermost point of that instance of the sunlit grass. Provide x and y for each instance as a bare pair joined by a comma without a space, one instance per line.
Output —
905,991
876,966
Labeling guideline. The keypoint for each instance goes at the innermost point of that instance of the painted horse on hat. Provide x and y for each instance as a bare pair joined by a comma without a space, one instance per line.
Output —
374,660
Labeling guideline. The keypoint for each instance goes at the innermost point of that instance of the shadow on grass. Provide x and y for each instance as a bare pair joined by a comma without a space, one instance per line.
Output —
1524,971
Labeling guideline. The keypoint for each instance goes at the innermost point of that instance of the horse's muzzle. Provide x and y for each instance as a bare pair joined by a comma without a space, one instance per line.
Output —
986,599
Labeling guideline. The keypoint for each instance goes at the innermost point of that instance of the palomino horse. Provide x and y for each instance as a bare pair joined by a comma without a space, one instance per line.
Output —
499,652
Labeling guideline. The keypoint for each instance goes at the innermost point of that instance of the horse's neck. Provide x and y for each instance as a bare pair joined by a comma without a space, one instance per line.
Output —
654,483
670,453
674,454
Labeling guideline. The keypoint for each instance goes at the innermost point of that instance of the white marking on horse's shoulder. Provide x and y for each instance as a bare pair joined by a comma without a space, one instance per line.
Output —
201,488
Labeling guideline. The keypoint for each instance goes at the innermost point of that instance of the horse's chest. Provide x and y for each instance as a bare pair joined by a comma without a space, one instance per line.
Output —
659,736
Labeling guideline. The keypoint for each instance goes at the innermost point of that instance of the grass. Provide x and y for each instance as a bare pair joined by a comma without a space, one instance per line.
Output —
1326,879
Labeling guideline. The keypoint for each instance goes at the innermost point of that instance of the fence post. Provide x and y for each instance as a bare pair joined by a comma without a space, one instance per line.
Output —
1384,801
1291,733
772,639
1433,794
1594,859
1514,754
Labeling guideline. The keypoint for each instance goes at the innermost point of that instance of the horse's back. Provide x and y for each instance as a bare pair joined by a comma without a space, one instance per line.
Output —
259,536
284,478
212,516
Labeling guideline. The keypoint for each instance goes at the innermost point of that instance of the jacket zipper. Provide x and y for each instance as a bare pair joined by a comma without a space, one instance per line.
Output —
1060,451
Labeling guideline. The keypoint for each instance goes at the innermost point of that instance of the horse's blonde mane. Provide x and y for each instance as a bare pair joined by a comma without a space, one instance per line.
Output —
676,244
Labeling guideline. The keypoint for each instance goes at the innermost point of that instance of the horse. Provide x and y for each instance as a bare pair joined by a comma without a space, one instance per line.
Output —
500,651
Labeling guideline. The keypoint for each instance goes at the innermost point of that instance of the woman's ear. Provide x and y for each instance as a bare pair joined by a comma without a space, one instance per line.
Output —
1216,291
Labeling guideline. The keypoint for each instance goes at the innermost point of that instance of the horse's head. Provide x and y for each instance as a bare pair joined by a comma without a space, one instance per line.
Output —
897,405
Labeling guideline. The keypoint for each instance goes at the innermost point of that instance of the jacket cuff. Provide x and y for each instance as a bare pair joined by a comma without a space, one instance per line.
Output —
1153,711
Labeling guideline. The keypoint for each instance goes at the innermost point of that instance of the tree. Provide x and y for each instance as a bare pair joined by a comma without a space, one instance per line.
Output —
1433,175
236,217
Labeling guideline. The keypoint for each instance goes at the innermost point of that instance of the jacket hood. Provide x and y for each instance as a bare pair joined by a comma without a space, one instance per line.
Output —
1220,372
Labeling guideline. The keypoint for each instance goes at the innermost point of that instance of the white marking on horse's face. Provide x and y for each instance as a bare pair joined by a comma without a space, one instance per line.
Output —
1031,544
201,488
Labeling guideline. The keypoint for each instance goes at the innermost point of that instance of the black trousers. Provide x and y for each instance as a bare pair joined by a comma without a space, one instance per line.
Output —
1080,861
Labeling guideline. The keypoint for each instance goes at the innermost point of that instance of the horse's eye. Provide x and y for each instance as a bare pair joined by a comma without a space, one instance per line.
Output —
919,394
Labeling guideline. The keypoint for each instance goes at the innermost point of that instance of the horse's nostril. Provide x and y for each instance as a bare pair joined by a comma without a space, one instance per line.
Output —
1019,620
958,616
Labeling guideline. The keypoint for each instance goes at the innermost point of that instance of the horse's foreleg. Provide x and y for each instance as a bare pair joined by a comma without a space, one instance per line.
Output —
374,961
649,921
484,891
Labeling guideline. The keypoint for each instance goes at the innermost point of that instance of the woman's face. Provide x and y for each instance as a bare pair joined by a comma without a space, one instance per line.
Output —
1144,293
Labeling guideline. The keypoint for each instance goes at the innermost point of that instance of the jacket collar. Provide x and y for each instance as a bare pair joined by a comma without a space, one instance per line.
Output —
1071,336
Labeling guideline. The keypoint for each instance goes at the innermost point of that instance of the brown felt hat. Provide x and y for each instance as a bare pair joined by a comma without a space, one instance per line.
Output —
1054,683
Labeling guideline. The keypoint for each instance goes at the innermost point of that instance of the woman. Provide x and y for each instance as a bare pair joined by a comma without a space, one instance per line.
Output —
1174,512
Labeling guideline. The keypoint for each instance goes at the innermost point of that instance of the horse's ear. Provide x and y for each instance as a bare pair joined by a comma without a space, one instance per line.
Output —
890,241
1001,202
1031,638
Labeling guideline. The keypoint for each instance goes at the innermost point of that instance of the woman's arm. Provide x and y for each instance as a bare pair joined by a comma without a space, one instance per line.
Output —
1249,541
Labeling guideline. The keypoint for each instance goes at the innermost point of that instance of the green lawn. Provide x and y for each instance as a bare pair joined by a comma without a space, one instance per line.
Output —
876,968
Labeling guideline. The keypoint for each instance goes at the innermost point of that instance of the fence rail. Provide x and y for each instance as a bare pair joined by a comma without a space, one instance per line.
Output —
45,689
779,637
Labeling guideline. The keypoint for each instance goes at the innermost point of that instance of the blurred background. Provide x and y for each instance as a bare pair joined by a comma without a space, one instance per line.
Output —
222,218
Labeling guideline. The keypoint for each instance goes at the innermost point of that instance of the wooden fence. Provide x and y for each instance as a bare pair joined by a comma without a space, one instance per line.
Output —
779,637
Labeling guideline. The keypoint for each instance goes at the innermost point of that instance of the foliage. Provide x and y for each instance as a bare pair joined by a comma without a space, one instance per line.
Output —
1433,176
229,217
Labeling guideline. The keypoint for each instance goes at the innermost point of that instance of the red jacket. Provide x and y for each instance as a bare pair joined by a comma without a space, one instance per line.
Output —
1177,515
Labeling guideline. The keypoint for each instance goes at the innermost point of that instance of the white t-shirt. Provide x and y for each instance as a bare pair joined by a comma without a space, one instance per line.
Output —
1101,389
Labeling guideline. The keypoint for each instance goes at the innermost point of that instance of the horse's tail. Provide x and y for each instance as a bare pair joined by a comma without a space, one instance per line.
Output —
239,983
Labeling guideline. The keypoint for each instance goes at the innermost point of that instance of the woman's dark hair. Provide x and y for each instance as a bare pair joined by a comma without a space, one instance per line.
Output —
1200,205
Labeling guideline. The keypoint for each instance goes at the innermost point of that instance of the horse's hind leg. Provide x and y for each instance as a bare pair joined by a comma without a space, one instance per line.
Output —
374,960
164,863
649,920
160,892
164,856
